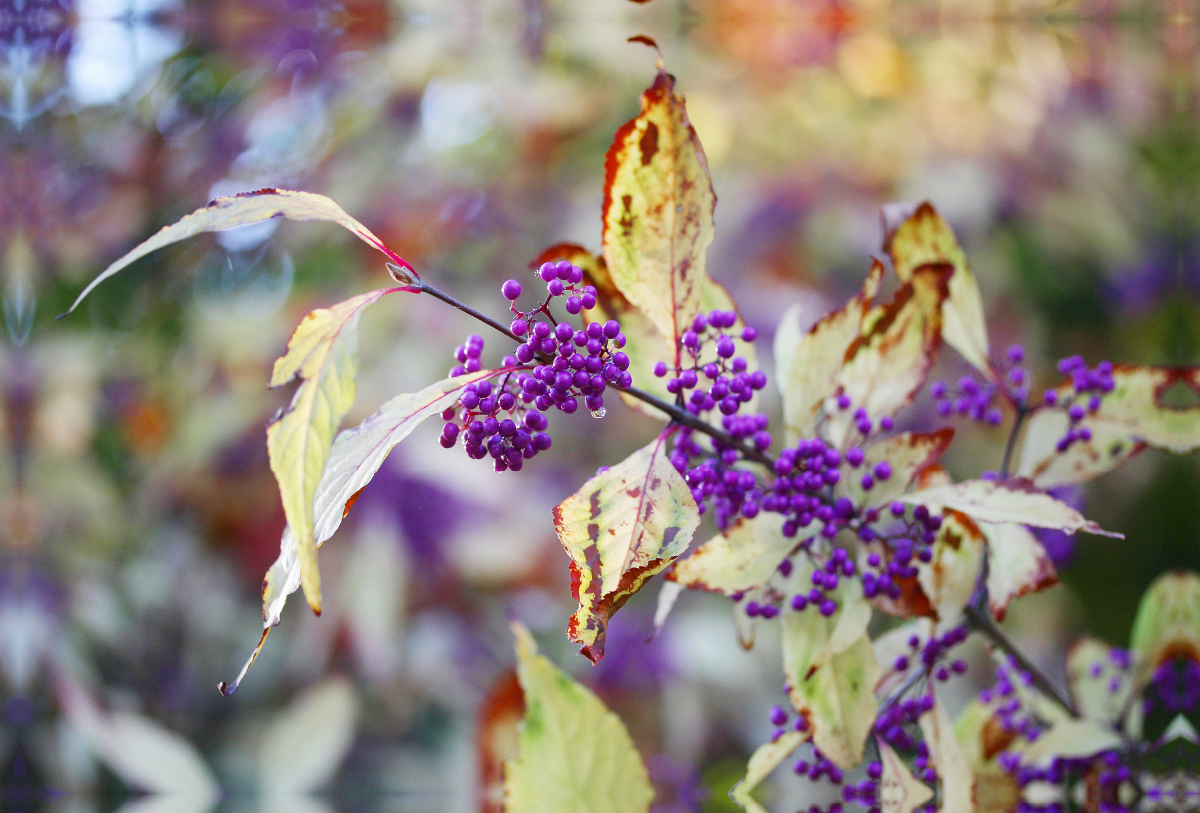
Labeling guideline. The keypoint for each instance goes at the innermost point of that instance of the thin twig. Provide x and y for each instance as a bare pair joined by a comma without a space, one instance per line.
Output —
981,620
1006,461
911,680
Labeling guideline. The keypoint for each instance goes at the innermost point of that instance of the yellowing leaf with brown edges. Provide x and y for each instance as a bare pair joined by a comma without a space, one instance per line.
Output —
1017,565
1109,447
658,212
925,239
807,364
575,755
354,458
1013,500
899,790
744,556
909,454
1159,406
323,354
243,209
623,526
949,579
887,363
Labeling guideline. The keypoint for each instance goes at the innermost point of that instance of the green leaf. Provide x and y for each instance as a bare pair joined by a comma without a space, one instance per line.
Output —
355,456
1017,565
323,354
745,556
575,755
1167,622
658,212
831,668
955,778
924,239
1092,676
623,526
899,790
887,363
807,364
949,578
1013,500
241,210
766,758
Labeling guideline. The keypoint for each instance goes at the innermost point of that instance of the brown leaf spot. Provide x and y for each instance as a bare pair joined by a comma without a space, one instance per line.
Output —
996,737
595,503
350,502
648,144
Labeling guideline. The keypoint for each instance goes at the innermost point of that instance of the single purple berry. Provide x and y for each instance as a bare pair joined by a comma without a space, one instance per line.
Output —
510,290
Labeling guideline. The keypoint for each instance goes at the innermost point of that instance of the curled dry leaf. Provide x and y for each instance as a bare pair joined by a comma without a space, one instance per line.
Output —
323,354
807,364
1014,500
241,210
886,364
354,458
923,238
658,212
623,526
574,754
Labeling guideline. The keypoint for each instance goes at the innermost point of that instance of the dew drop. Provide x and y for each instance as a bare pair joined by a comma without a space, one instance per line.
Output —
599,413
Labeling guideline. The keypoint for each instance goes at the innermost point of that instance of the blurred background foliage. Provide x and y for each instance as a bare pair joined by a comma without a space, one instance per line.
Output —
137,509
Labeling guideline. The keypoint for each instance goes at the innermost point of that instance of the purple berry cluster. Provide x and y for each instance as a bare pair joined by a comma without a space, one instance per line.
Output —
1174,687
897,537
1102,774
1005,703
898,727
723,383
932,655
975,399
1088,387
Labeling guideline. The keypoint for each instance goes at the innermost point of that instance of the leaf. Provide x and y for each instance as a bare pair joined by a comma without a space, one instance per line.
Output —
1017,565
1072,739
1137,405
766,758
243,209
810,639
899,790
909,454
323,354
1012,500
354,458
946,755
743,557
925,239
658,212
839,702
1093,672
623,526
949,579
1167,623
304,745
1109,447
575,755
807,366
995,790
887,363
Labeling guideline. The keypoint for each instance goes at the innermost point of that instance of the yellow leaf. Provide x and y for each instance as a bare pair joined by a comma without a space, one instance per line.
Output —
626,524
323,353
745,556
1093,674
908,453
1136,404
766,758
575,755
1110,446
807,366
658,212
899,790
949,578
1167,622
1014,500
886,364
1017,565
954,772
243,209
838,700
925,239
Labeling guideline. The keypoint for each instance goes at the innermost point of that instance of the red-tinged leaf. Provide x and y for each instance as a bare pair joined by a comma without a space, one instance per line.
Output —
658,212
887,363
1013,500
908,453
622,527
924,239
1017,565
899,790
765,759
743,557
955,778
911,603
949,579
354,458
1167,624
807,364
243,209
323,354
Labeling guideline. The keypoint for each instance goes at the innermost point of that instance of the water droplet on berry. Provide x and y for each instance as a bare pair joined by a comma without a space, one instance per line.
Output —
599,412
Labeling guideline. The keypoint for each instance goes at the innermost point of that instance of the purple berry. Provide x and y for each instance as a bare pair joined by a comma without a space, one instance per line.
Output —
510,290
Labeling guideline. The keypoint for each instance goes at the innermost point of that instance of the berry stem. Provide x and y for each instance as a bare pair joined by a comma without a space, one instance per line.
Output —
678,415
1010,447
910,680
981,621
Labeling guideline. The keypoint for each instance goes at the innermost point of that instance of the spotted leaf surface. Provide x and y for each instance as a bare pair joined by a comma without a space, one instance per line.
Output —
658,211
924,239
243,209
1015,500
807,364
575,756
622,527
